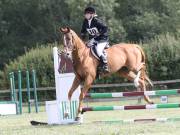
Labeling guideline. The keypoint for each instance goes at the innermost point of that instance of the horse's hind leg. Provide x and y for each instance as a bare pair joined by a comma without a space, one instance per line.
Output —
124,72
143,88
140,83
141,80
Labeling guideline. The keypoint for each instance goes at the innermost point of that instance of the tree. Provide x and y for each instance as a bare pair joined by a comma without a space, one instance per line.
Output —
143,20
24,24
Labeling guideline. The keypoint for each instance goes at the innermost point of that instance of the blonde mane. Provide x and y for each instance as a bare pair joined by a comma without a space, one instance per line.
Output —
77,38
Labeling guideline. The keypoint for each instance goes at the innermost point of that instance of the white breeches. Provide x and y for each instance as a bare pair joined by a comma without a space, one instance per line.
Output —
100,47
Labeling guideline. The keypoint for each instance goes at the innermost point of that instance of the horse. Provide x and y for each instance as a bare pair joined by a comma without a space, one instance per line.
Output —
127,60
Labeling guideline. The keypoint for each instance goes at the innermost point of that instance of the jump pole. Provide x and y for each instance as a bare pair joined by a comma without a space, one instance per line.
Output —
20,91
12,86
139,120
131,107
133,94
35,90
28,91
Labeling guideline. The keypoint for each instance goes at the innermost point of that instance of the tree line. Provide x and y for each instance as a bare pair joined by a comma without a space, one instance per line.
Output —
25,24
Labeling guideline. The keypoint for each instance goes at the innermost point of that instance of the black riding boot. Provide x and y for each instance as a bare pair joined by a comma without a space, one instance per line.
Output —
105,64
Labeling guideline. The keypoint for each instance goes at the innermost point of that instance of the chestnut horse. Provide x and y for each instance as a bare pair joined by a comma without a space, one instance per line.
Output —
127,60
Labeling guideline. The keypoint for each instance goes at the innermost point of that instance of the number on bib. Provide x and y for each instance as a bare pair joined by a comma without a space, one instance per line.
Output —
93,31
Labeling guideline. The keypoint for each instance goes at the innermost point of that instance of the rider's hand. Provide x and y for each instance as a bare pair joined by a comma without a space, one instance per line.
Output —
91,42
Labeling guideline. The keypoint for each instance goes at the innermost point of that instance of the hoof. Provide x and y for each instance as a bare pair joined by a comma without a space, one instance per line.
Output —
79,119
69,97
151,102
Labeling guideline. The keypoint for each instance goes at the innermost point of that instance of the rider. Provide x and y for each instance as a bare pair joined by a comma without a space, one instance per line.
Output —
98,34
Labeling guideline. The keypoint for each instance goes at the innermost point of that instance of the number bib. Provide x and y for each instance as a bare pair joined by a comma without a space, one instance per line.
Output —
93,31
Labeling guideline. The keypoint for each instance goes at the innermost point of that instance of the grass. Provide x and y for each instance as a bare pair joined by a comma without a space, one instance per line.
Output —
20,124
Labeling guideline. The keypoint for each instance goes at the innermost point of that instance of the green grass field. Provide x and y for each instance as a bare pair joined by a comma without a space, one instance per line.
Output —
20,124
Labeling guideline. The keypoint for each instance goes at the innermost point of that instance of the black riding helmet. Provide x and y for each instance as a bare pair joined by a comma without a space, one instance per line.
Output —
90,10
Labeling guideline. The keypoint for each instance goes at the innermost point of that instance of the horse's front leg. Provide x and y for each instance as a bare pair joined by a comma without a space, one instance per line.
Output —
74,86
87,84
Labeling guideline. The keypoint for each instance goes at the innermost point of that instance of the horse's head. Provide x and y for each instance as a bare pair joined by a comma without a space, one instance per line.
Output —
68,41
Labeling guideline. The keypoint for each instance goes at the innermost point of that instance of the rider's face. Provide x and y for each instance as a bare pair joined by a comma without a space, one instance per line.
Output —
88,16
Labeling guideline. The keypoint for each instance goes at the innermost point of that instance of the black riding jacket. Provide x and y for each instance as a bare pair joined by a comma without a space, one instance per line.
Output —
97,30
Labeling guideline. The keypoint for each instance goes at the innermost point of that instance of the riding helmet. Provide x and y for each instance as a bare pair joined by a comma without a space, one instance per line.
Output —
90,10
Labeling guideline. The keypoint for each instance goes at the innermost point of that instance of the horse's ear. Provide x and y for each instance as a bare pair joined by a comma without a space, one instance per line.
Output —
65,30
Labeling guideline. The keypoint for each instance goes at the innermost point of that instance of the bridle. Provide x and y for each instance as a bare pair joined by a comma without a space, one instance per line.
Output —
73,45
70,45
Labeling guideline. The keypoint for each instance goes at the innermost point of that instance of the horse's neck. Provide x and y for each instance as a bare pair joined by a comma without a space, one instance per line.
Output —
79,50
81,54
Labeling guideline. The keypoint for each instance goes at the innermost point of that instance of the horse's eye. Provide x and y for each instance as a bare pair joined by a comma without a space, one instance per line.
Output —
67,38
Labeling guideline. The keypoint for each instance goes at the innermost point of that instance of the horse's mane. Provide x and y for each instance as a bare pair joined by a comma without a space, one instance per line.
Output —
76,37
80,46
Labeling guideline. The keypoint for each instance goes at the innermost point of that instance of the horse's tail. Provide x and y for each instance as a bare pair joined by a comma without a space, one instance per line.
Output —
142,52
144,75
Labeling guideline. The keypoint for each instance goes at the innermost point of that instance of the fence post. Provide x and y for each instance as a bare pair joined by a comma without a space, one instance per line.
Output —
35,90
20,91
13,90
14,87
11,86
28,91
